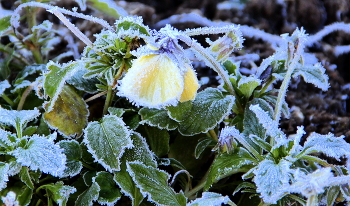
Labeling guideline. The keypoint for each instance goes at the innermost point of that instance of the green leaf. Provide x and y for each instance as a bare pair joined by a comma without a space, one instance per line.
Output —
314,74
157,118
25,196
208,109
158,140
18,119
4,168
251,122
81,83
271,178
116,111
5,24
179,111
58,192
41,153
202,145
140,152
154,183
88,196
69,114
132,24
73,152
107,7
329,145
247,85
56,78
25,177
332,194
107,140
227,164
109,192
210,198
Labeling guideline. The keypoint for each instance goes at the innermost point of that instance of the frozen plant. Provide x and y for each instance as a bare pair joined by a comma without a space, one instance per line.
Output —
128,118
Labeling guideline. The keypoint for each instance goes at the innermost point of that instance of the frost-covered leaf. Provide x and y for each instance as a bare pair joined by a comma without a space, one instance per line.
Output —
314,74
154,184
140,152
5,24
41,153
332,194
273,100
108,7
88,196
202,145
3,86
56,78
178,112
329,145
208,109
116,111
247,85
5,142
158,140
227,164
271,179
251,123
210,198
25,177
109,192
69,114
157,118
73,152
24,196
3,175
13,117
312,183
268,123
81,83
107,141
58,192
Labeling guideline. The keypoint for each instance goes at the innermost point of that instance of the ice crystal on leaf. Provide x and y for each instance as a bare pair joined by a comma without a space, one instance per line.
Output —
41,153
13,117
4,85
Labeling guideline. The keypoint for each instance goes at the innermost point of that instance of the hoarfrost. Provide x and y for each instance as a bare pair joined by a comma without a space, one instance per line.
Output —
41,153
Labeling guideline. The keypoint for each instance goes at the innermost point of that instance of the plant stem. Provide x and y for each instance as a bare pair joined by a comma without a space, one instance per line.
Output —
88,166
109,99
210,59
213,135
8,100
198,187
24,96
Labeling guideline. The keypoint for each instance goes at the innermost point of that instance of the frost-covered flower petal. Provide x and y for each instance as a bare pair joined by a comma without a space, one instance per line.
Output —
155,81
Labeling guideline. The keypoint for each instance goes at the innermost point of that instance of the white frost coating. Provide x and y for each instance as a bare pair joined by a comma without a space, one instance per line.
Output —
329,145
10,199
41,153
339,50
9,117
271,179
16,15
270,125
210,198
337,26
23,84
3,175
99,141
313,183
3,86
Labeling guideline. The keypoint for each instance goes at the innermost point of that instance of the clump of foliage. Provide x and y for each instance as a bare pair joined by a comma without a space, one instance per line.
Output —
55,151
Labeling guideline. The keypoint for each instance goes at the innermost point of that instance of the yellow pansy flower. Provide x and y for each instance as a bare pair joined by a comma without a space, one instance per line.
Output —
154,80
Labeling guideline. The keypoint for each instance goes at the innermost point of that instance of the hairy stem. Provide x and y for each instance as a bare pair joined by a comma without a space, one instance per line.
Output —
213,135
210,60
25,95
